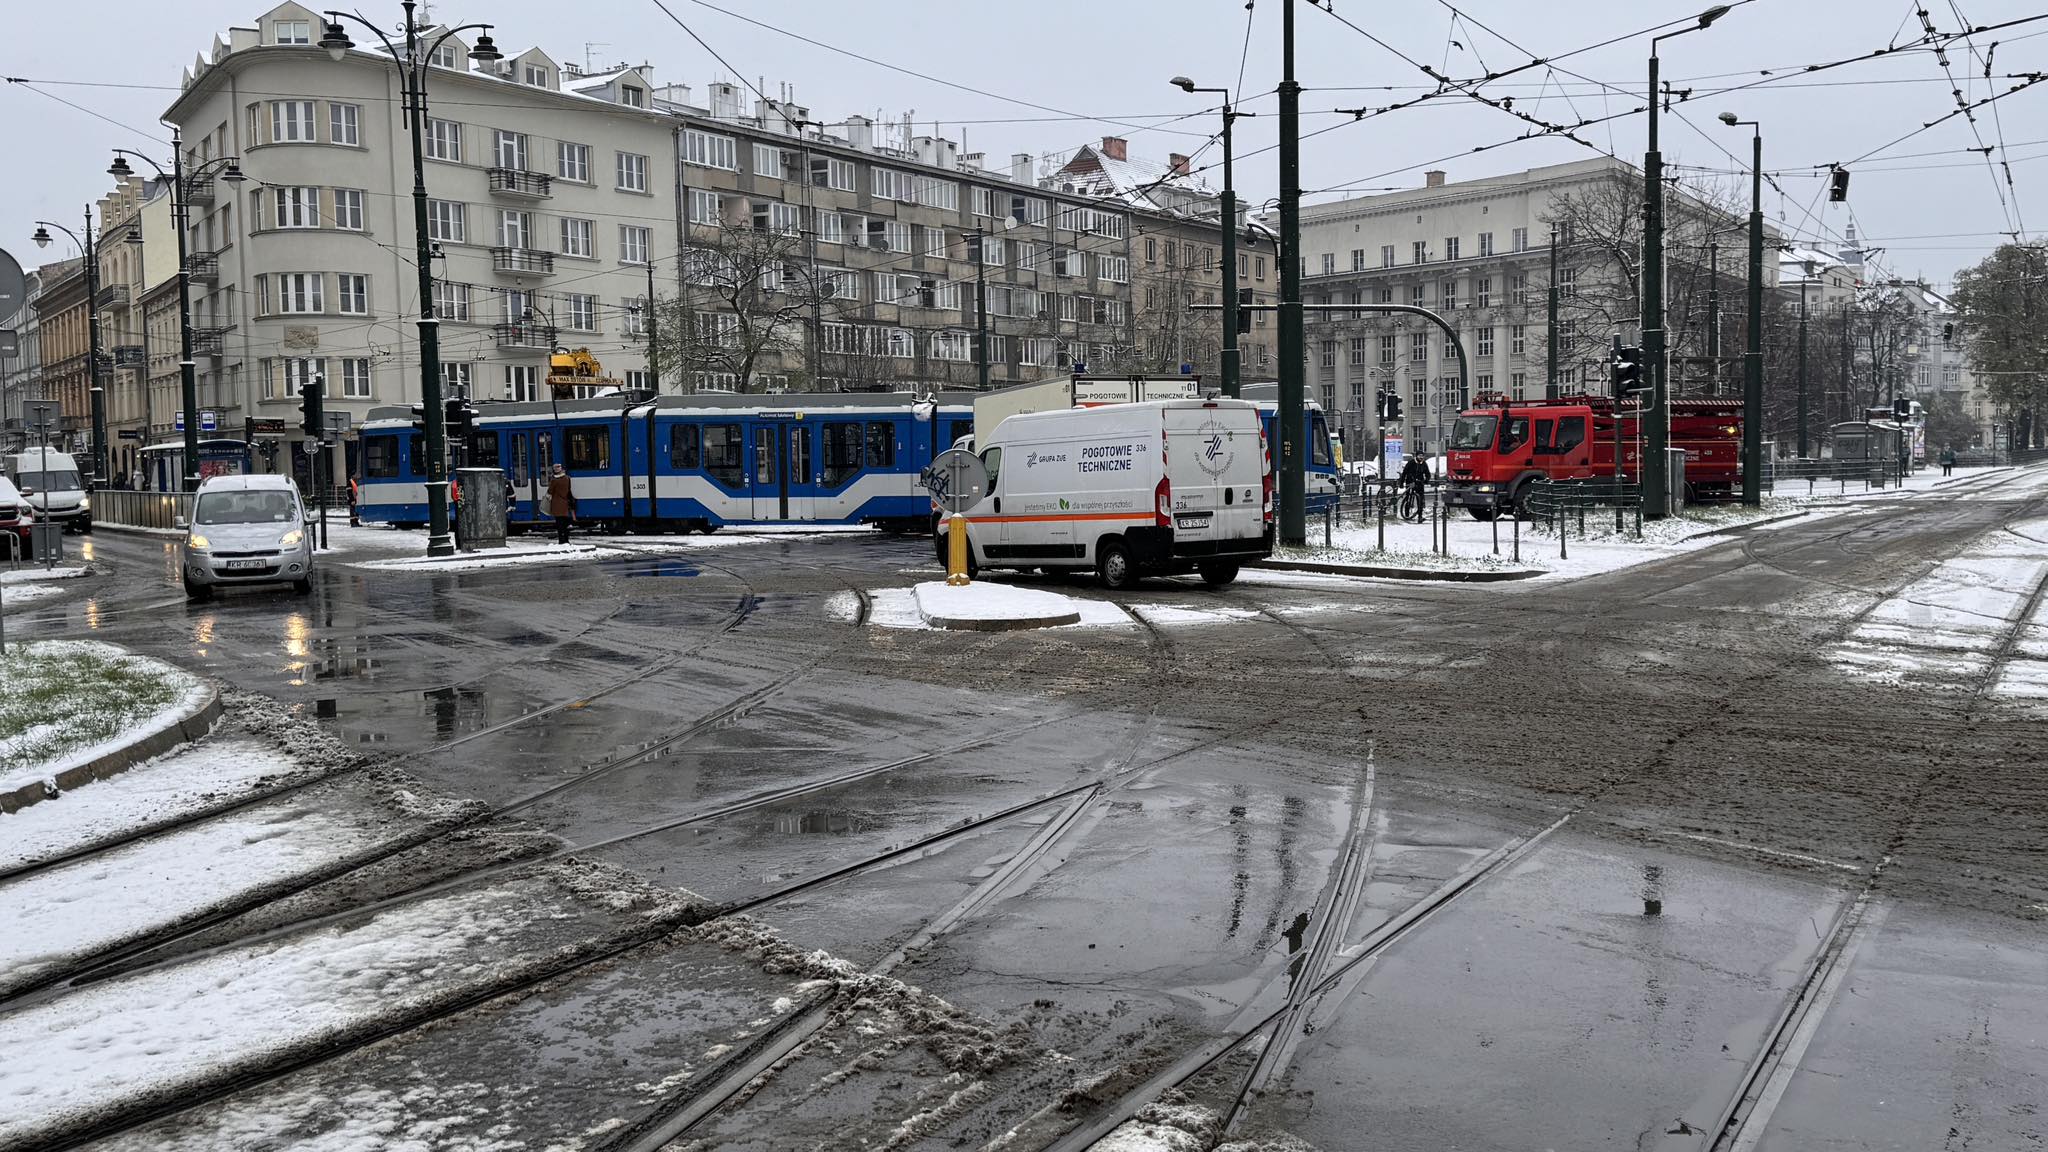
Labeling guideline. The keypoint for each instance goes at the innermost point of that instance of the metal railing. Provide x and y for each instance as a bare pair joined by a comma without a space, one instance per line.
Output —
112,296
204,266
519,183
1841,472
141,509
522,260
525,335
209,341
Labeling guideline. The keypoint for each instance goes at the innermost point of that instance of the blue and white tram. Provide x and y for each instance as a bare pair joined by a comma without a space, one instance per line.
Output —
393,486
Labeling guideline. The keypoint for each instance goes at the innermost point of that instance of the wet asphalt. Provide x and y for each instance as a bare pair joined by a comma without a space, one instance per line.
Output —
1669,800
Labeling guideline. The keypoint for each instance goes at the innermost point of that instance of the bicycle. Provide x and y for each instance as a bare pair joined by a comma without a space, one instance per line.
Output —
1413,504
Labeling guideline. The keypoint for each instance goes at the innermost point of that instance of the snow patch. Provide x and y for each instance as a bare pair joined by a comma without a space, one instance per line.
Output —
171,695
843,606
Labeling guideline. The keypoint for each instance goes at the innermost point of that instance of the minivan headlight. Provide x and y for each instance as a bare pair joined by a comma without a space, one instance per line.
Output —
195,540
292,538
85,503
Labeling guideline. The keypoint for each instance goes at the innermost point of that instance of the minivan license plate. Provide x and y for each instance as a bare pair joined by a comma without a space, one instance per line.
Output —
245,563
1195,520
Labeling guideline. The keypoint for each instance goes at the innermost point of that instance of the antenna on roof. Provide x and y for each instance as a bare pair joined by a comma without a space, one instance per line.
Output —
587,46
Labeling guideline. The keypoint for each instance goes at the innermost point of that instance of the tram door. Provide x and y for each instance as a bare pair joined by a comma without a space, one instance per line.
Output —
529,477
782,480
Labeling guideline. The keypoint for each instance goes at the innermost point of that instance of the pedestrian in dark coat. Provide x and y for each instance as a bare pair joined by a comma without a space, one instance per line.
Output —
561,503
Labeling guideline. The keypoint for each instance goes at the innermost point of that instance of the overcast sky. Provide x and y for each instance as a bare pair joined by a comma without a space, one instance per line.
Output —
1111,59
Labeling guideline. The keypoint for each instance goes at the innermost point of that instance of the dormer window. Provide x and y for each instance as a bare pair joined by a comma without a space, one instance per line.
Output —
291,32
446,56
632,97
536,76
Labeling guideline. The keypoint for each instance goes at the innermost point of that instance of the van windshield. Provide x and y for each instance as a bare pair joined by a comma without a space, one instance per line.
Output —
1473,432
264,506
52,481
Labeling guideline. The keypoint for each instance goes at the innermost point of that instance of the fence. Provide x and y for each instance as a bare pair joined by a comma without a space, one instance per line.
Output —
141,509
1878,473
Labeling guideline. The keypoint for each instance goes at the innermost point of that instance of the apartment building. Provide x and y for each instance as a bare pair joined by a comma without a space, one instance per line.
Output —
21,379
1478,252
64,340
548,203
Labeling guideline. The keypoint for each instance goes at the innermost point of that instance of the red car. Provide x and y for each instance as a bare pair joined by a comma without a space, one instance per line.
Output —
15,517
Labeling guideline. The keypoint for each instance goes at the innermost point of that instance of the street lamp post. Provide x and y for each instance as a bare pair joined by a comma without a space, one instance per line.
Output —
95,391
181,223
1753,356
1291,457
1226,207
412,71
1656,480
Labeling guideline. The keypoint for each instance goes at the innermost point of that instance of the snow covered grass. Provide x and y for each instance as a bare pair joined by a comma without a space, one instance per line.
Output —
177,784
63,702
40,574
12,595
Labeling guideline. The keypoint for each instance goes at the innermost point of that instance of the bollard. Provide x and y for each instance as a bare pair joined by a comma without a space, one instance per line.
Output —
1381,546
956,552
1639,518
1564,529
1496,533
1518,536
1326,527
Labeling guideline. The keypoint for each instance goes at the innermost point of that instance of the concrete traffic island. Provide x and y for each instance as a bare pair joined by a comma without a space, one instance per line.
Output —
986,607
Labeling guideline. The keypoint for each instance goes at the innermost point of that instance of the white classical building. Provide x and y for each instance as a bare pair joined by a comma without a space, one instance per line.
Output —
547,204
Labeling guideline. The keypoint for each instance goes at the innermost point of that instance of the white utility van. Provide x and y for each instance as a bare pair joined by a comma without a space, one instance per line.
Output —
51,482
1126,490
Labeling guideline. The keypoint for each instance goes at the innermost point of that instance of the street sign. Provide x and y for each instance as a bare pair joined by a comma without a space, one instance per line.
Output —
337,423
129,433
957,479
209,420
269,425
42,416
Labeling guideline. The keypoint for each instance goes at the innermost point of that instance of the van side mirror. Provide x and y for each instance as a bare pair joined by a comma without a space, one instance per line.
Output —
179,522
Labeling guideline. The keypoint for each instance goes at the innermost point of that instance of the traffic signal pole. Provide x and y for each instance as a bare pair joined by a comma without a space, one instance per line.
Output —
1293,460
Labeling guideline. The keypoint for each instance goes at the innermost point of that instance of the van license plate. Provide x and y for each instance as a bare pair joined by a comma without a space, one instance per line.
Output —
245,564
1195,520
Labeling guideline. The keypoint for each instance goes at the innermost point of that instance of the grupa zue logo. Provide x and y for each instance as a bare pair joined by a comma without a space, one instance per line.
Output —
1218,449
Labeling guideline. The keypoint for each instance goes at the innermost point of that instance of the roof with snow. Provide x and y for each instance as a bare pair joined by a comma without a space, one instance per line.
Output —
1107,172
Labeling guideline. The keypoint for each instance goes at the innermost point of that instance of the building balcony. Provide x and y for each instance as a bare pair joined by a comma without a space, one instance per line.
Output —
523,261
526,334
209,341
204,267
112,296
199,189
128,356
529,185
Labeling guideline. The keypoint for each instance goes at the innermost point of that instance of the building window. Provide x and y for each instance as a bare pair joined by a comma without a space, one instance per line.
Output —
1358,351
836,174
291,121
1450,294
1358,259
1518,383
1450,247
522,382
348,209
1518,339
515,229
886,183
291,32
1389,345
1485,341
632,172
510,149
299,293
633,242
352,293
444,141
341,123
536,75
632,97
1567,283
1329,263
446,221
768,161
935,193
706,207
1418,295
1258,267
708,150
572,162
447,56
1329,353
1519,239
1421,252
773,216
581,314
1486,243
1115,269
355,378
1519,286
299,370
576,238
1418,347
1483,291
451,301
297,208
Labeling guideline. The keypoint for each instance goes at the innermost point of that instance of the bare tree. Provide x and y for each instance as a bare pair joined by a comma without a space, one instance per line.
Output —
2002,304
748,304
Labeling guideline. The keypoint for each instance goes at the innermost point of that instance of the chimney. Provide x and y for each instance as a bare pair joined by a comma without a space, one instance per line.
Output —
1020,167
860,133
973,162
1115,148
1177,163
725,102
1434,178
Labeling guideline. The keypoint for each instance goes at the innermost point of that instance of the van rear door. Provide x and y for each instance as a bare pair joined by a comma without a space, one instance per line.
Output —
1216,470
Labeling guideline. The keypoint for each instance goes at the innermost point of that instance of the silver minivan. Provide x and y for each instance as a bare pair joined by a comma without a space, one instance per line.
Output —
247,530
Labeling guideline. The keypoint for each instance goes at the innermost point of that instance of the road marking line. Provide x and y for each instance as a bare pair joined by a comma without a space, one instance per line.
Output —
1775,852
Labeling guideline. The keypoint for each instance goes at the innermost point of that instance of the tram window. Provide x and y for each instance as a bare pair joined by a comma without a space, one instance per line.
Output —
799,454
519,468
380,457
589,449
483,450
682,446
1571,432
722,454
1319,442
842,453
881,446
416,447
764,454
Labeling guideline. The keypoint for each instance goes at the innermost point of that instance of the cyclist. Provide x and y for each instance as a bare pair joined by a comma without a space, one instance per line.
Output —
1414,478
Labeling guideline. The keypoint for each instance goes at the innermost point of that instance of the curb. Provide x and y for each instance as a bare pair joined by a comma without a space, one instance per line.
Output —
1016,624
185,729
1756,523
132,530
1395,573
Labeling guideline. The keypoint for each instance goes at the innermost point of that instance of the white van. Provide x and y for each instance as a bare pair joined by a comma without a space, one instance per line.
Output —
1126,490
53,486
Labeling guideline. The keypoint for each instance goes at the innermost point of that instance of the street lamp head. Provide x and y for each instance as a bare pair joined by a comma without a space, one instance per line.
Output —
42,237
1182,83
232,173
335,39
119,169
1730,119
485,51
1713,14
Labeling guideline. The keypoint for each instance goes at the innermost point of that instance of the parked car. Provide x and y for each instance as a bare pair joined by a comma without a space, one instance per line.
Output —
52,483
247,530
16,515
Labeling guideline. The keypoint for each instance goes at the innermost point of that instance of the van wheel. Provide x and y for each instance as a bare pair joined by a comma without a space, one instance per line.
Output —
1216,575
198,592
1113,565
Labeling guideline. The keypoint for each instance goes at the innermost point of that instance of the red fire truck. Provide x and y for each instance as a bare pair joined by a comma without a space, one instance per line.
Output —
1500,446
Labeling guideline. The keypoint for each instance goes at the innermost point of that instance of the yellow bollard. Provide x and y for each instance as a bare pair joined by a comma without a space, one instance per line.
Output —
956,552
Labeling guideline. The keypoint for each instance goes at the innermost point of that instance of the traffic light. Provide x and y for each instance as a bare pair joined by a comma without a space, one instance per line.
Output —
1902,408
1244,311
1948,333
309,407
1838,185
1390,407
456,415
1628,372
